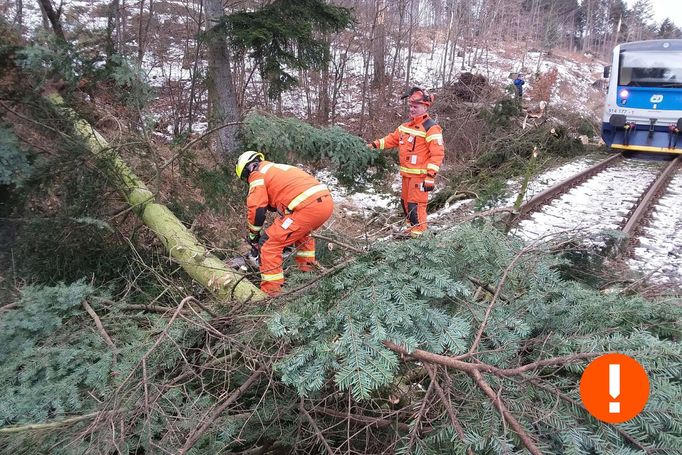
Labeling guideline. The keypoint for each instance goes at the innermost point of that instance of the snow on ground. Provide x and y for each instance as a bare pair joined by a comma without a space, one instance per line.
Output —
547,179
600,204
362,203
659,252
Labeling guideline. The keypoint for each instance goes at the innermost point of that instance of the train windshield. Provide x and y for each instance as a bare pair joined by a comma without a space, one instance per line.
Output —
650,69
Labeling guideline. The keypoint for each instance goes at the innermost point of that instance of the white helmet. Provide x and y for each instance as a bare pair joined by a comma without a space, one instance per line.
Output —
246,158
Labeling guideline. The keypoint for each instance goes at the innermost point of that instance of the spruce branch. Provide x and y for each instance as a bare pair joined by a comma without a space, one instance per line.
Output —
516,426
445,401
485,286
377,422
158,341
454,362
194,436
475,372
39,124
8,307
338,267
565,397
100,327
151,308
498,291
336,242
194,141
420,415
52,425
316,429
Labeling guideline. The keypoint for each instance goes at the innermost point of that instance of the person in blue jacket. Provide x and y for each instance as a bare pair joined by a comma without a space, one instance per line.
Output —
518,84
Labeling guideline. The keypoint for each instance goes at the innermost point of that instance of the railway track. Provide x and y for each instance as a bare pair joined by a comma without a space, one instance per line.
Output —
637,197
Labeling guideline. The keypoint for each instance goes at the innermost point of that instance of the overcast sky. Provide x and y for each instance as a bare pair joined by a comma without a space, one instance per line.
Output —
665,8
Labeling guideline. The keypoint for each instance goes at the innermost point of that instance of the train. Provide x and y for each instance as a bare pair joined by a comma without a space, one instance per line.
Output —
643,108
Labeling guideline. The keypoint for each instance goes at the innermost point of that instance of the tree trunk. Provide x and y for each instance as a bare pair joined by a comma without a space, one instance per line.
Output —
181,244
379,44
112,28
323,98
121,24
143,29
19,17
304,78
220,85
195,71
338,79
444,66
54,17
398,44
408,70
363,105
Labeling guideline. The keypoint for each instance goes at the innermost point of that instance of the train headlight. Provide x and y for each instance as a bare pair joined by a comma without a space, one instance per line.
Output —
624,94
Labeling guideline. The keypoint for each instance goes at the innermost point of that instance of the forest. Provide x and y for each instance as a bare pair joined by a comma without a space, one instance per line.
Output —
125,326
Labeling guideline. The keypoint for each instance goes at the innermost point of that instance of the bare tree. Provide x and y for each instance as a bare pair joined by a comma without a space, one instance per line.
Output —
323,104
19,16
379,44
53,16
195,66
221,90
113,25
143,28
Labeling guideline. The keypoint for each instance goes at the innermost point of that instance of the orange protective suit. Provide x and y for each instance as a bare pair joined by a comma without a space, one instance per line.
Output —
421,151
303,204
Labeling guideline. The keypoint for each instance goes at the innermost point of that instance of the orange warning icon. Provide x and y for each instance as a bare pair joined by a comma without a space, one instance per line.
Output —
614,388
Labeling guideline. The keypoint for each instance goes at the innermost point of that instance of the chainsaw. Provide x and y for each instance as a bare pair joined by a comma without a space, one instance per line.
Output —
251,261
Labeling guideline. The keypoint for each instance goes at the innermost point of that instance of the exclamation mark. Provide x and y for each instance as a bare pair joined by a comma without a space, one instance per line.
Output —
614,387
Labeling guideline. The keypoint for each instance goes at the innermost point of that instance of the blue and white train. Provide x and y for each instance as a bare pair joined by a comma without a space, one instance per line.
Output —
643,110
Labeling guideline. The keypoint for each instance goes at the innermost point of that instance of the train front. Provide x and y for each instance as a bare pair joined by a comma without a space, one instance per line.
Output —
643,110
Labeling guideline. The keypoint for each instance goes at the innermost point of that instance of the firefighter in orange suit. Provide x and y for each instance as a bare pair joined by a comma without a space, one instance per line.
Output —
421,151
303,205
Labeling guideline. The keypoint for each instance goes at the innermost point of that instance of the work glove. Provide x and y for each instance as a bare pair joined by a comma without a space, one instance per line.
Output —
253,238
429,183
254,255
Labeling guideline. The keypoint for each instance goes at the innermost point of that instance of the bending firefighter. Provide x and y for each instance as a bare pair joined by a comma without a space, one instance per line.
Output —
421,151
302,203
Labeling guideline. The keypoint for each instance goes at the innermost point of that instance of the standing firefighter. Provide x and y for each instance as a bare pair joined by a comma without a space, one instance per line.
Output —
421,151
302,203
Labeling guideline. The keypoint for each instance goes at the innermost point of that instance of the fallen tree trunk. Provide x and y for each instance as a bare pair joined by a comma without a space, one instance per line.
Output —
182,245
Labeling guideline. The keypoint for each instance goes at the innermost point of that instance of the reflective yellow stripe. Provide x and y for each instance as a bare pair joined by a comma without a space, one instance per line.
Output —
416,233
381,143
272,277
409,170
434,136
433,167
257,182
645,148
306,254
254,228
305,195
407,130
266,167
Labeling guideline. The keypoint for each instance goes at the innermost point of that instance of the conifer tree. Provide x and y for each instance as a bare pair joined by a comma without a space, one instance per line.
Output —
282,37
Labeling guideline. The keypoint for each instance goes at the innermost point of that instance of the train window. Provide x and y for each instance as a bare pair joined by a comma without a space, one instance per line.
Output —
650,69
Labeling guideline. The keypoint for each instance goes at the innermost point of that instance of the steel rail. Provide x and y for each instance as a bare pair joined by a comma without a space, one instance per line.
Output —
551,192
651,195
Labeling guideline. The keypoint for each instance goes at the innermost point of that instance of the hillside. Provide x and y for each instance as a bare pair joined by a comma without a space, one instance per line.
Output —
133,322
